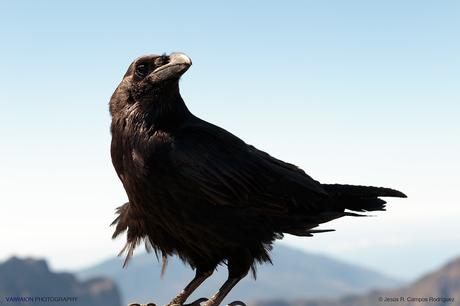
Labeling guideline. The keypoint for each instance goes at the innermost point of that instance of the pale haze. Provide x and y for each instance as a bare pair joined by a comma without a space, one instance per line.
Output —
359,92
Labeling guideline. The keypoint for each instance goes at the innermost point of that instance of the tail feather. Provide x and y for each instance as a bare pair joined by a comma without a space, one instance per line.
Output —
307,232
362,191
360,198
363,204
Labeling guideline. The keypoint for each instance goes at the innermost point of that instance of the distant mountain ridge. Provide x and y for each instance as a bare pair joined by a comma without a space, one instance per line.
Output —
294,275
30,282
441,287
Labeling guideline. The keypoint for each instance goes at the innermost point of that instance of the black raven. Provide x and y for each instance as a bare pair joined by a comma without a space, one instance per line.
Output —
201,193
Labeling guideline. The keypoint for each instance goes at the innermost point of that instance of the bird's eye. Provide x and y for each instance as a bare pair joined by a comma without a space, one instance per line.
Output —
142,70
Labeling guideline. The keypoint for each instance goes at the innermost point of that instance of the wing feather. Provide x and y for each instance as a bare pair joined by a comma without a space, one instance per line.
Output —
229,172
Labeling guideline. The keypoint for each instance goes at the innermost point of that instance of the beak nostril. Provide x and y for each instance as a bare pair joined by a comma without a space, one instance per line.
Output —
162,60
169,67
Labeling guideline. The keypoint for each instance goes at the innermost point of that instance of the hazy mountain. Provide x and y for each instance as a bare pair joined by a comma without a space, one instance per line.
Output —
30,282
428,290
294,275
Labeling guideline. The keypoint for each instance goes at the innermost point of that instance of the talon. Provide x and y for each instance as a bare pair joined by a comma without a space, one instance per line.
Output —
197,302
237,303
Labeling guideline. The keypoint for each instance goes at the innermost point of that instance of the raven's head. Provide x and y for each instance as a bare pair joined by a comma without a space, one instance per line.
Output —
150,79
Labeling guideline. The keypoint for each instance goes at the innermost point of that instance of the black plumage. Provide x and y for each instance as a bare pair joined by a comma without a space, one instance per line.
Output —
199,192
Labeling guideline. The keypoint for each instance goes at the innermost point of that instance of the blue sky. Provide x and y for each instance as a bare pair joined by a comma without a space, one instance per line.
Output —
363,92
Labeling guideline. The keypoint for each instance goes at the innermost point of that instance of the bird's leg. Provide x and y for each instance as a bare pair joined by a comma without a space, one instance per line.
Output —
200,277
217,298
238,267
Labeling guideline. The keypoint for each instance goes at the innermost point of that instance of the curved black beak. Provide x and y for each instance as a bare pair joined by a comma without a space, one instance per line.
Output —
177,66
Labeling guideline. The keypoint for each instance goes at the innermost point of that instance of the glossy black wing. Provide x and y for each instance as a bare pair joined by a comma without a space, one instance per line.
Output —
227,171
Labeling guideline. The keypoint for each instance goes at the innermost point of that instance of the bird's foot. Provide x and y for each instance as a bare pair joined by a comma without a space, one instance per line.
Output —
137,304
194,303
237,303
197,302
